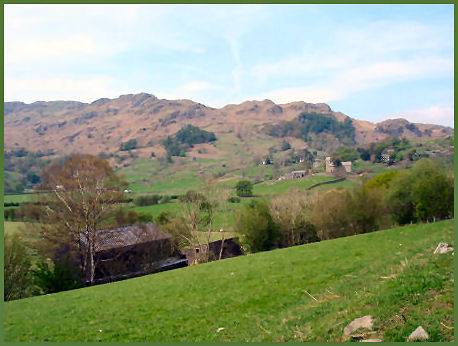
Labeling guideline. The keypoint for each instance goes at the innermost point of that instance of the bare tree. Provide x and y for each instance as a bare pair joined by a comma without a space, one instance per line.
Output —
194,229
83,192
291,213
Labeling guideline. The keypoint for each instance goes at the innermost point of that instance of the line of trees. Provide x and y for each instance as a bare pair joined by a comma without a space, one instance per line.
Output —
423,193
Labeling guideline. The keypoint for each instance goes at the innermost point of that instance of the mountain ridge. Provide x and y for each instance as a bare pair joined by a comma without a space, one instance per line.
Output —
100,126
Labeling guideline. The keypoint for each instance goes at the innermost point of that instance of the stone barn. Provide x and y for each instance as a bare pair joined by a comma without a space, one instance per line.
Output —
297,174
347,166
330,166
130,251
227,248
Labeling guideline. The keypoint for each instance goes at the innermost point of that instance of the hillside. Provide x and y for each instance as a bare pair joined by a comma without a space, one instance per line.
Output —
101,126
303,293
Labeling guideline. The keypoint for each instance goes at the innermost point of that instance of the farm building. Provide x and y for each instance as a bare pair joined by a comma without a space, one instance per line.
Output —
296,175
387,156
347,166
130,251
208,252
332,168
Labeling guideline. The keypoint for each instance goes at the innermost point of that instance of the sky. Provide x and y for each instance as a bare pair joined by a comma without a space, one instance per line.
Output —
371,62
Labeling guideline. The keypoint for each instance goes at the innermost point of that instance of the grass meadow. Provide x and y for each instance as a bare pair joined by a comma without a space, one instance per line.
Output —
304,293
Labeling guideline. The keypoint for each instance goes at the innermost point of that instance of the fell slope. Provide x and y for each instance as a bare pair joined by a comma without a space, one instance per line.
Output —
101,126
304,293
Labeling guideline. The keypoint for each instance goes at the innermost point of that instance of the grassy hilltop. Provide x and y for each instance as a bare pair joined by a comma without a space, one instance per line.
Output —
303,293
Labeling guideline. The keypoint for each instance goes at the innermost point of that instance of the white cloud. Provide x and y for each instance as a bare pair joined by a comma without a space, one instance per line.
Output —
383,53
20,52
442,115
346,82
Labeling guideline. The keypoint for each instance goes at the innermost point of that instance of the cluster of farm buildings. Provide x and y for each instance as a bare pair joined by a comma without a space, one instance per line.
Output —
331,167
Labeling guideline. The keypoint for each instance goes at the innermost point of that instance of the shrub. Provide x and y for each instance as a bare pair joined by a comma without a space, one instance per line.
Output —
129,145
364,154
164,217
233,199
285,145
147,200
9,214
18,281
145,218
61,275
165,199
125,217
256,227
244,188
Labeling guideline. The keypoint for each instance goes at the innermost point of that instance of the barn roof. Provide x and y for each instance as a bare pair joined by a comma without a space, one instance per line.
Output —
129,235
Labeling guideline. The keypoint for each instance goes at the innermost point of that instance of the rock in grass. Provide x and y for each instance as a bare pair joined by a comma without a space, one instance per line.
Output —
372,340
364,322
443,248
418,334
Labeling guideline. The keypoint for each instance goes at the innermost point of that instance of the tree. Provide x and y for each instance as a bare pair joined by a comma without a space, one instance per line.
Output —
129,145
18,279
346,154
285,145
424,193
367,209
256,227
84,190
328,213
59,275
291,213
244,188
383,180
193,227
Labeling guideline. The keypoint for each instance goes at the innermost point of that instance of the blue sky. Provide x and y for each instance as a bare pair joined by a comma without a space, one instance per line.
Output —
371,62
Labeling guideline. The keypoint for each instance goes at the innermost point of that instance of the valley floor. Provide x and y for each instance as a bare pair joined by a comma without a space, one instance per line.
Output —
303,293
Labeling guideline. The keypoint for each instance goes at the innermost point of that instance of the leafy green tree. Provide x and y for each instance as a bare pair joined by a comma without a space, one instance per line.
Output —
367,209
191,135
424,193
346,154
129,145
256,227
61,275
285,145
244,188
308,124
184,139
18,280
382,180
364,154
432,191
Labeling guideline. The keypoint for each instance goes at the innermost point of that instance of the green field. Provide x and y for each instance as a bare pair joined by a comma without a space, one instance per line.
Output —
11,228
303,293
19,198
270,188
223,217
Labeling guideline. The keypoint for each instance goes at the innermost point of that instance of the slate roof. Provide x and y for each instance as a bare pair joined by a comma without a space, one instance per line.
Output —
129,235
